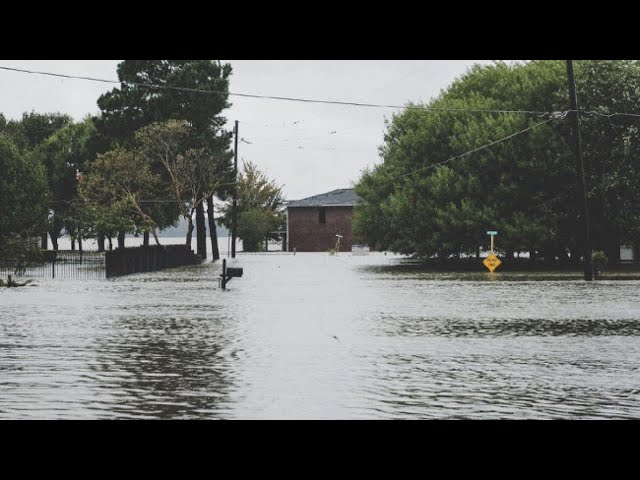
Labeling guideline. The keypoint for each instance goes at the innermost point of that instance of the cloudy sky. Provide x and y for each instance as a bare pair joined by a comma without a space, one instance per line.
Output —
308,148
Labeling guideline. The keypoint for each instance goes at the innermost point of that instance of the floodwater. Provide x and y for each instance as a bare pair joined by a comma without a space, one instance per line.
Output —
315,336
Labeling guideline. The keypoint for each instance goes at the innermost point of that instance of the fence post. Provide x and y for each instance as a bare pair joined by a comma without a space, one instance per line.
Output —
224,273
53,268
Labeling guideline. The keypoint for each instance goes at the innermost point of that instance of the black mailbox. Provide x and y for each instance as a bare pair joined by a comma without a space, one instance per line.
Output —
234,272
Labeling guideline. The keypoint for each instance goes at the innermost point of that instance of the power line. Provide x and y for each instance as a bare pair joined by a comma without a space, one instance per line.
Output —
607,115
555,116
272,97
361,98
161,201
561,115
306,100
353,127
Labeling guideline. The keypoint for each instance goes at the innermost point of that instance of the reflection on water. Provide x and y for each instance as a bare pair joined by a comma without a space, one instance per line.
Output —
455,327
319,336
163,367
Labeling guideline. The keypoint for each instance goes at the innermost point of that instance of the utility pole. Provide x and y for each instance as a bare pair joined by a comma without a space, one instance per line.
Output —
577,142
75,189
234,213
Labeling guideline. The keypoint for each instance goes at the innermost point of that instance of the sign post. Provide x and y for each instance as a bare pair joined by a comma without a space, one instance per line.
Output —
492,262
492,233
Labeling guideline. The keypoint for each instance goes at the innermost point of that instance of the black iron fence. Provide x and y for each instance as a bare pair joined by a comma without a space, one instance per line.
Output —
60,264
88,265
148,259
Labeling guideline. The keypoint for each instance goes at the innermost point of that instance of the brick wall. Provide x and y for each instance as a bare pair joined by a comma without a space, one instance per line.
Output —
307,234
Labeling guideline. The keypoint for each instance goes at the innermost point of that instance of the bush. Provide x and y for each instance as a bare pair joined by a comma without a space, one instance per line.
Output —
599,260
19,252
254,225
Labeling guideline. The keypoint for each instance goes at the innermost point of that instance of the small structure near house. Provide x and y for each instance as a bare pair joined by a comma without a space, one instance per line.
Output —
314,223
359,250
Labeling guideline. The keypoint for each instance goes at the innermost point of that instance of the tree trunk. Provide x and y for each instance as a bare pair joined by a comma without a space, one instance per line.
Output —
73,242
55,231
213,234
155,237
189,232
612,245
54,241
121,240
110,244
44,244
100,242
201,232
145,238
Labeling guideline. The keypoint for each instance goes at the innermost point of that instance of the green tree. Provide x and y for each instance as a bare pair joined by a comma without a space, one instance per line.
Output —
63,154
611,146
23,204
30,132
523,187
112,194
23,192
137,103
259,202
34,128
193,174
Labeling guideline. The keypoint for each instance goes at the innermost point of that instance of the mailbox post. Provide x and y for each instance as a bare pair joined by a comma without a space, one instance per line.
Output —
228,273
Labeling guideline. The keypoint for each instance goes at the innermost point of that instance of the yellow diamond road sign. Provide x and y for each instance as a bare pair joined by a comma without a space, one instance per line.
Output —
491,262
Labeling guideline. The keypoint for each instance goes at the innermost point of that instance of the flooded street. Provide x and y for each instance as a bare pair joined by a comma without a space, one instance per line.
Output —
315,336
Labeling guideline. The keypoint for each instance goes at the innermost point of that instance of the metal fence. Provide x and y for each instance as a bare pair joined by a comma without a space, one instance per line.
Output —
148,259
91,264
61,264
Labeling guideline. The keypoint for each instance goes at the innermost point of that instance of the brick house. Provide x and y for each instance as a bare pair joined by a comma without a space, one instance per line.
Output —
314,222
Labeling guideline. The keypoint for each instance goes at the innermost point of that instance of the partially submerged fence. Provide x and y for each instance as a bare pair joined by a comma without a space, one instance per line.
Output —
60,264
89,265
148,259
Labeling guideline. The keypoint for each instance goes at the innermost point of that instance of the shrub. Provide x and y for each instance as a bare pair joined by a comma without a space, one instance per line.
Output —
599,260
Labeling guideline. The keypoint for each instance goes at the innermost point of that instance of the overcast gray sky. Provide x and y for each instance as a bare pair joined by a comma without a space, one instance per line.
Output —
308,148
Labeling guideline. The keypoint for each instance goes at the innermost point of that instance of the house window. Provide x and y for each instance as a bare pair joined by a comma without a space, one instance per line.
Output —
322,215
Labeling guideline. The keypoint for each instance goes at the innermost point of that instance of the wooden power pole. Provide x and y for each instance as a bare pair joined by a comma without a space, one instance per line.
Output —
234,213
582,193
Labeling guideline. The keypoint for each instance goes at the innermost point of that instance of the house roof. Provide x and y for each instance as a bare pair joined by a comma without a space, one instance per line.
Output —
342,197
